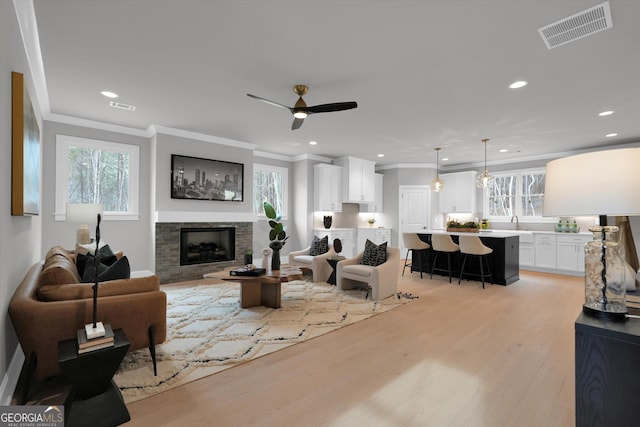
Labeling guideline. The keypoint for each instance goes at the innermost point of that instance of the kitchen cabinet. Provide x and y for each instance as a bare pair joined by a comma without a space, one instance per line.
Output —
545,250
346,236
570,252
376,235
527,254
358,184
376,206
459,194
327,188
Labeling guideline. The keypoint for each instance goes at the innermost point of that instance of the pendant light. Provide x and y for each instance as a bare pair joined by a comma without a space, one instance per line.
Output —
484,179
437,185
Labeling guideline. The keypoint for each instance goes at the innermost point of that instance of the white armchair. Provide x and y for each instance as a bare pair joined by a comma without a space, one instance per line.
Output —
383,279
318,264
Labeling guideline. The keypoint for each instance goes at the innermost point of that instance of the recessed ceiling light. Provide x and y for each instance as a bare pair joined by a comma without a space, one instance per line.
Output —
109,94
313,143
611,135
605,113
518,84
380,155
445,159
504,150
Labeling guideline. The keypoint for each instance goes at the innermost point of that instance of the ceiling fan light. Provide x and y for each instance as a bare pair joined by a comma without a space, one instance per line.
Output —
300,114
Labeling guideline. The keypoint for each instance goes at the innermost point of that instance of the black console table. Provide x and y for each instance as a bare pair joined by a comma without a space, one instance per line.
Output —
607,372
96,399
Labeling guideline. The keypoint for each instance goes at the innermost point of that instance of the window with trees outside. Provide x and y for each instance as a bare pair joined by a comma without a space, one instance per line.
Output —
516,193
270,183
92,171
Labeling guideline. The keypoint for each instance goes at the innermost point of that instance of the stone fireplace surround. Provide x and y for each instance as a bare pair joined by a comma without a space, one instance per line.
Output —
167,250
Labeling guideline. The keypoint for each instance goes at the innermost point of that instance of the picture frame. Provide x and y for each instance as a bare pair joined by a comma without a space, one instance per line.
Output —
196,178
25,151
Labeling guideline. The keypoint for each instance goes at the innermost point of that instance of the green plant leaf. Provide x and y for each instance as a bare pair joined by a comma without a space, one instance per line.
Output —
273,234
269,211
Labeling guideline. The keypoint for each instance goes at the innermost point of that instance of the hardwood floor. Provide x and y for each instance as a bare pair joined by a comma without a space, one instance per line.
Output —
456,356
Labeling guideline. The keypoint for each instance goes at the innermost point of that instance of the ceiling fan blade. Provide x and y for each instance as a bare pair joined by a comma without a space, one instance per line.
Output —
270,102
296,123
327,108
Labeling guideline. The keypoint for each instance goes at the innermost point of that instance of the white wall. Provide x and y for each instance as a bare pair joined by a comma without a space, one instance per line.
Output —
21,236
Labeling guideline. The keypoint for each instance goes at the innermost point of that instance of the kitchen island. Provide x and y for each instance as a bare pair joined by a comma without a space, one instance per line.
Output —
504,261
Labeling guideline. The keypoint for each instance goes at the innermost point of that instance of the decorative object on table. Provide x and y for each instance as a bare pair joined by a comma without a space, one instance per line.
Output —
371,221
277,235
96,329
25,151
484,179
82,214
337,245
247,271
265,257
485,224
327,220
462,227
248,258
598,183
193,178
437,185
86,345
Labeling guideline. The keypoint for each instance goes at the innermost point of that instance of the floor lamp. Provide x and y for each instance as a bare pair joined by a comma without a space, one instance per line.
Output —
600,183
85,214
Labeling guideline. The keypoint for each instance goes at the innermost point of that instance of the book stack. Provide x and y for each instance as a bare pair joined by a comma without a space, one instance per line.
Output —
85,345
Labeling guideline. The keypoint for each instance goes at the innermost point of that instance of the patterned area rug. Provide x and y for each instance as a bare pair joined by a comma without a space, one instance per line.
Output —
208,332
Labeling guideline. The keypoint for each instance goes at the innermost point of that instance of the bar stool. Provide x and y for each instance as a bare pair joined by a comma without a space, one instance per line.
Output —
473,246
413,243
443,243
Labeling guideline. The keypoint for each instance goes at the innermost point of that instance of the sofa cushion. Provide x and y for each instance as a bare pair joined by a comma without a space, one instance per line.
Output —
118,269
110,288
358,269
107,257
319,246
59,268
374,254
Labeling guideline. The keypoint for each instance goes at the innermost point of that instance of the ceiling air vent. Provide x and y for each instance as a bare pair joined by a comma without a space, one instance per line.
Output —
574,27
122,106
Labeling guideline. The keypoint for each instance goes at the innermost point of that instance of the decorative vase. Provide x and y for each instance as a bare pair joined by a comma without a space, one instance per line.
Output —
275,256
248,258
327,220
605,289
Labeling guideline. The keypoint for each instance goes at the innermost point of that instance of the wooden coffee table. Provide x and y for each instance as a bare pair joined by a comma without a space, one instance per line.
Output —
263,290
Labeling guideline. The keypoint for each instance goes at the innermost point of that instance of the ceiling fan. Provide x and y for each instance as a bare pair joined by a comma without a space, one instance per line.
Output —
300,110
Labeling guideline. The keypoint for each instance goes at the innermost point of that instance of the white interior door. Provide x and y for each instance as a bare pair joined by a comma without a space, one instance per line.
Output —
414,211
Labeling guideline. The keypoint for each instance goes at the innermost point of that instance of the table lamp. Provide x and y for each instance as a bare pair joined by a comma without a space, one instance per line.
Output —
598,183
83,214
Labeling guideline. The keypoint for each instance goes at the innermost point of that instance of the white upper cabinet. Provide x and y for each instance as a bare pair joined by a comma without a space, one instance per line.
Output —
459,194
327,187
359,180
376,206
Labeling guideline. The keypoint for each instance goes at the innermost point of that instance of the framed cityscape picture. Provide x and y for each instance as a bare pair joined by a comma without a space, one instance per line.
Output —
204,179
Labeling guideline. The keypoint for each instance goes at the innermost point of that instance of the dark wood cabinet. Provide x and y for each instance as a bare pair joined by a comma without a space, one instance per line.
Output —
504,262
607,372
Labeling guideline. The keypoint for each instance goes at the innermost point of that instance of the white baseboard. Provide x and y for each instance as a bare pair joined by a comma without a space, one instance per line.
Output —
10,380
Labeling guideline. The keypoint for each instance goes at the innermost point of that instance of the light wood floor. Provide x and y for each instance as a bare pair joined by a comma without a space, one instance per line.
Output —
456,356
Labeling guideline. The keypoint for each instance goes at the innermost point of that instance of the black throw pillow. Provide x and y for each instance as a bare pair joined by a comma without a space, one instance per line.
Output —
319,246
106,257
120,269
374,254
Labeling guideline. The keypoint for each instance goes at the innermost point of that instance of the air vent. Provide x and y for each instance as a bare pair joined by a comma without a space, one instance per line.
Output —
574,27
122,106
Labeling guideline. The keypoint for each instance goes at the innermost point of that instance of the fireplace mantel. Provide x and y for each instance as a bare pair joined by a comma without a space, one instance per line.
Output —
204,216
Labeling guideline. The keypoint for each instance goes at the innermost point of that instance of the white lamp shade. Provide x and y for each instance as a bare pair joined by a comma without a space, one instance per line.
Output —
598,183
83,213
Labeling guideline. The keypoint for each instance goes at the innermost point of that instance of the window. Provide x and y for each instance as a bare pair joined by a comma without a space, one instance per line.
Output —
270,183
91,171
515,193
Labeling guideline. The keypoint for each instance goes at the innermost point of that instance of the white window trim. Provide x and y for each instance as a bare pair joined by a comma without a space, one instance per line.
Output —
63,142
518,172
285,191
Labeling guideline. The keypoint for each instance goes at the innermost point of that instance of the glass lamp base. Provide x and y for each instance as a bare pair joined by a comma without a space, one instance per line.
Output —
615,312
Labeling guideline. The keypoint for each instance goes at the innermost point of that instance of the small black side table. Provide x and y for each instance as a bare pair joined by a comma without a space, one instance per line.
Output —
96,399
333,262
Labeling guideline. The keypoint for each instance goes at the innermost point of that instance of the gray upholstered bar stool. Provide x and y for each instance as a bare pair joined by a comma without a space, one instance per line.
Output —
473,246
442,243
413,244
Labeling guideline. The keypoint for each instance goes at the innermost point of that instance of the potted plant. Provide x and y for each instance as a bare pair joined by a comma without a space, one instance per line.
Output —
277,235
466,227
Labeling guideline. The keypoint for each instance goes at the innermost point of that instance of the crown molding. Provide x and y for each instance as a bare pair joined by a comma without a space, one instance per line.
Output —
93,124
156,129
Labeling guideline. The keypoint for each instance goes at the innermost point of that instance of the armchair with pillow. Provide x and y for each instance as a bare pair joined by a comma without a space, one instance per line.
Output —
378,266
315,258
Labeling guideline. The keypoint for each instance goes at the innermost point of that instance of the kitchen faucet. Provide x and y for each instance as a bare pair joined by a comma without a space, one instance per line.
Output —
517,222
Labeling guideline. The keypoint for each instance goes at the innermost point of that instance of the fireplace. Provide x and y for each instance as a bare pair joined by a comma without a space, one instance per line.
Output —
207,245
